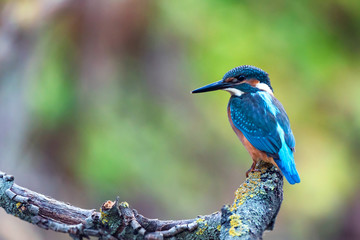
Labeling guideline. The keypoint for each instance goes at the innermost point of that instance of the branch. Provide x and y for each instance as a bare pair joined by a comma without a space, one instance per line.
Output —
257,202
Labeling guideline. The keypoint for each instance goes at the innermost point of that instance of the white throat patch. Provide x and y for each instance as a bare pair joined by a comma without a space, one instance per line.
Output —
234,91
265,87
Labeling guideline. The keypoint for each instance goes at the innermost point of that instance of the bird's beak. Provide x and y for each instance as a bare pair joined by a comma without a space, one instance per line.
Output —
212,87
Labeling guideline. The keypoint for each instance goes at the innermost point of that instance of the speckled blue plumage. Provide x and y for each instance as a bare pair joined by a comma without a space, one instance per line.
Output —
263,121
259,117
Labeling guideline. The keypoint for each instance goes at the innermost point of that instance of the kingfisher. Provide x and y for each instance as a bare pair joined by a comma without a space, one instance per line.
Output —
258,118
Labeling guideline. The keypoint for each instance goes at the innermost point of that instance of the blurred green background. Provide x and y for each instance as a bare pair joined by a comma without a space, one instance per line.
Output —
95,103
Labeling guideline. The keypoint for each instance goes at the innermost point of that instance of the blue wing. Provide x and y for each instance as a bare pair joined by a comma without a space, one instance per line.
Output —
250,115
258,118
263,121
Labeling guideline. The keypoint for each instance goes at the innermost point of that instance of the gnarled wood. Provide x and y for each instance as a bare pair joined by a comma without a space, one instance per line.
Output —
257,202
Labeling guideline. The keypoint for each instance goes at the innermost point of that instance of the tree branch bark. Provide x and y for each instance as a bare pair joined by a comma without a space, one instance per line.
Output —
256,205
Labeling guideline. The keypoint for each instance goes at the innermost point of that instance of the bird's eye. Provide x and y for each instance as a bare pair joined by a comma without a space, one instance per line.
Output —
240,78
234,79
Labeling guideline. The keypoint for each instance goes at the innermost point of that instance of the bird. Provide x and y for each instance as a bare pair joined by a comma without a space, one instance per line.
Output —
258,118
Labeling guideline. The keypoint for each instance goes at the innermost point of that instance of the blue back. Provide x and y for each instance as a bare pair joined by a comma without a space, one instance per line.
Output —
263,121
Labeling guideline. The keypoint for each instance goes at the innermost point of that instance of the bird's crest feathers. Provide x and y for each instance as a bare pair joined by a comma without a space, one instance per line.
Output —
248,72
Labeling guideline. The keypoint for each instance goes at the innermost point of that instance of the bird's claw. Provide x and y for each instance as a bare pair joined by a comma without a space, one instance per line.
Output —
252,169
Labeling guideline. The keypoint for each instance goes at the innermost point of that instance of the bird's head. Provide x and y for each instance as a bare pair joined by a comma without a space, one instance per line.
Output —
241,80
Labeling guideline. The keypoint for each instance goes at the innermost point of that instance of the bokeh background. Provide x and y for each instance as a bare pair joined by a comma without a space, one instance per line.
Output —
95,102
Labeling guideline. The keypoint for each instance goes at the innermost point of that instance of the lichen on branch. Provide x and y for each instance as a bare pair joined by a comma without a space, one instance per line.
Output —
256,204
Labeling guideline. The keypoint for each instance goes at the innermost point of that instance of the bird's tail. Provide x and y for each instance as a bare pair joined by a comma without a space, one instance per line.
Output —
287,166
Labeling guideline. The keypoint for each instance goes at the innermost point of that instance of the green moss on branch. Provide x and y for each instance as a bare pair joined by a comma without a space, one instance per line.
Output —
256,204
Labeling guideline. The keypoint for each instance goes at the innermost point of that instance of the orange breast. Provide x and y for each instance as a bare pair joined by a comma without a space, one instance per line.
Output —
255,154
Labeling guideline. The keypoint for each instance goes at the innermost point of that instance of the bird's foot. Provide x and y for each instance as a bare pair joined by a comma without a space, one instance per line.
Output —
252,169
